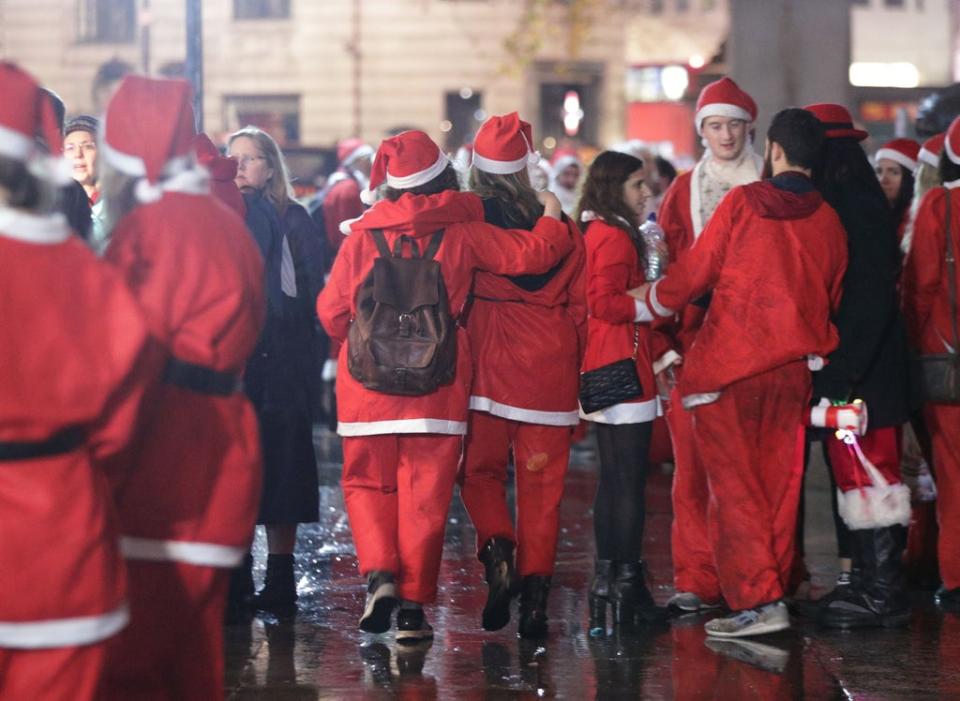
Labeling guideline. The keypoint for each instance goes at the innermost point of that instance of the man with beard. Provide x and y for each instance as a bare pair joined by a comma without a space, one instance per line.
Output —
725,114
773,258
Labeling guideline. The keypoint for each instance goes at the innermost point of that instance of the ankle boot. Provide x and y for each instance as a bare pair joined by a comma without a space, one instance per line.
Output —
497,558
629,597
534,591
599,598
279,593
240,593
876,594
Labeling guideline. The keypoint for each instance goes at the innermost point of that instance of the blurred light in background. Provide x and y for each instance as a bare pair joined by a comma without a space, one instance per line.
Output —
674,81
884,75
572,113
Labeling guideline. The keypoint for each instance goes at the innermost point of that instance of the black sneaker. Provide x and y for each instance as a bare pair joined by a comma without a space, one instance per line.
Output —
381,600
412,626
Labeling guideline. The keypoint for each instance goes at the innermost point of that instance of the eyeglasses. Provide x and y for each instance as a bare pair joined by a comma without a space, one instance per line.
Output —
244,160
71,149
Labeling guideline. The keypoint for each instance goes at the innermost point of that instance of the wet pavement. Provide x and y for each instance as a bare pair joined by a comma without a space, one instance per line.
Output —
320,654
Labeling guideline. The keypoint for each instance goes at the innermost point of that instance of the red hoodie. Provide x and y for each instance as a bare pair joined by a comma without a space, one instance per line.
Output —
773,255
468,245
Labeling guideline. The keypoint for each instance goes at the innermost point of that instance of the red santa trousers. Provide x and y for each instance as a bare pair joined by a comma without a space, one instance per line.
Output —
751,443
52,674
173,647
693,568
541,454
943,420
397,490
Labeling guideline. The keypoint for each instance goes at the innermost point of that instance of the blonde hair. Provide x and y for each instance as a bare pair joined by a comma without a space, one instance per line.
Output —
278,190
925,179
514,191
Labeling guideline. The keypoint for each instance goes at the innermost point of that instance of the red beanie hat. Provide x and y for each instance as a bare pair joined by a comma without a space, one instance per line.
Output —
26,111
148,127
902,151
836,120
724,98
931,150
404,161
503,145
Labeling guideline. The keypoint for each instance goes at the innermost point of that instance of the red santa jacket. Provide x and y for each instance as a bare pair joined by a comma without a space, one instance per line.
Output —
773,255
198,276
70,337
468,245
613,267
527,345
342,202
926,297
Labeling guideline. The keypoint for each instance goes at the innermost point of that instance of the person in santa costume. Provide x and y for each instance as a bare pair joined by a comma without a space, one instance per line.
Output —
72,336
400,453
932,326
339,199
773,256
527,333
870,364
895,164
188,501
614,197
724,118
566,167
926,177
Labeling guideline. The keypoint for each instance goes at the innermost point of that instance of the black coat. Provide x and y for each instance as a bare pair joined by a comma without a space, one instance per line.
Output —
871,362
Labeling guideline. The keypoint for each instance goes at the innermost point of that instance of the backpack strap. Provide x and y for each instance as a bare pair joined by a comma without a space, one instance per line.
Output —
398,247
381,241
434,245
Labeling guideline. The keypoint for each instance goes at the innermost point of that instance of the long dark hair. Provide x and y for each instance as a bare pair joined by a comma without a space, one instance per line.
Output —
603,193
447,180
844,169
901,205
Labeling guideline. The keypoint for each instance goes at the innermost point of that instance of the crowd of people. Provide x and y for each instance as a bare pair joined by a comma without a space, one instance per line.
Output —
173,316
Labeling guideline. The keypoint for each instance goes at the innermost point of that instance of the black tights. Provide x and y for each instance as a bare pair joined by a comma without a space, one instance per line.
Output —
619,508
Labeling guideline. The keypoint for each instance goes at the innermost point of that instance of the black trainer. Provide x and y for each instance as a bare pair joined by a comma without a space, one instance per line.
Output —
381,600
412,626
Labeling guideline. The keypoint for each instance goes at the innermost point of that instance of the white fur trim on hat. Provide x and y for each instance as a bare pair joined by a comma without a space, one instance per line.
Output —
489,165
405,182
720,109
929,157
33,228
14,144
897,157
358,153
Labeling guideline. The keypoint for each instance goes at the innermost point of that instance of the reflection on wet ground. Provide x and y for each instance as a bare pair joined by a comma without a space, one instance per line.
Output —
321,655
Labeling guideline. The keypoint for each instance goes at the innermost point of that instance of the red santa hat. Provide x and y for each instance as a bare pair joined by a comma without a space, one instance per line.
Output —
25,112
564,158
931,149
352,149
902,151
724,98
148,129
503,145
836,120
404,161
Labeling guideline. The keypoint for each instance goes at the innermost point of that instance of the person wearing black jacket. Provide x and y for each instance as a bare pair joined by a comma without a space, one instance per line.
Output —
871,504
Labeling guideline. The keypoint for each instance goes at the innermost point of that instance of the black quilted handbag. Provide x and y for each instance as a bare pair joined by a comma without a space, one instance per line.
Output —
941,371
612,383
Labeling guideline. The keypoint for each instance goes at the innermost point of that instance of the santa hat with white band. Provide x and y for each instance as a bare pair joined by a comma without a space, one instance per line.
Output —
404,161
931,150
353,149
724,98
148,133
902,151
25,114
503,145
952,142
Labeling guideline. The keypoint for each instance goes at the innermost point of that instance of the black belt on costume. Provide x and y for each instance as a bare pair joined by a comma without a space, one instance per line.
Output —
200,379
65,441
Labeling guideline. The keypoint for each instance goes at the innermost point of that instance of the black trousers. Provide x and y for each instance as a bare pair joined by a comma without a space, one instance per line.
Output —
619,509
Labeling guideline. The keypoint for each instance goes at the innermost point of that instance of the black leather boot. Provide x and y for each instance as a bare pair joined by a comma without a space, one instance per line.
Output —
876,595
534,591
630,598
599,598
279,593
497,558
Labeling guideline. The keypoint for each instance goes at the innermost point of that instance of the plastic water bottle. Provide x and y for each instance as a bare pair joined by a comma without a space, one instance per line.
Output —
655,245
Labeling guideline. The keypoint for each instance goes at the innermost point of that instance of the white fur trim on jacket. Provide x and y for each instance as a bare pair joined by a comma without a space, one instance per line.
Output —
63,632
878,505
641,312
529,416
665,361
378,428
192,553
693,400
33,228
658,308
626,413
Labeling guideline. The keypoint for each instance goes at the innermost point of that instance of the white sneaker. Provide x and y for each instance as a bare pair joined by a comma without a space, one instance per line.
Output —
763,619
689,602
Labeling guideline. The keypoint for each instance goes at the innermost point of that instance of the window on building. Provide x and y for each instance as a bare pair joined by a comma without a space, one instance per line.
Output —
278,115
261,9
107,21
893,3
464,115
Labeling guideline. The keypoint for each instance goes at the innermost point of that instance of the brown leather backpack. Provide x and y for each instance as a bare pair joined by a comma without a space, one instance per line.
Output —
403,339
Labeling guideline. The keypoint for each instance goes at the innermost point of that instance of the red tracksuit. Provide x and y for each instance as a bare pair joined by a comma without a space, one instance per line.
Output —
926,302
70,336
189,504
401,453
773,255
526,348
